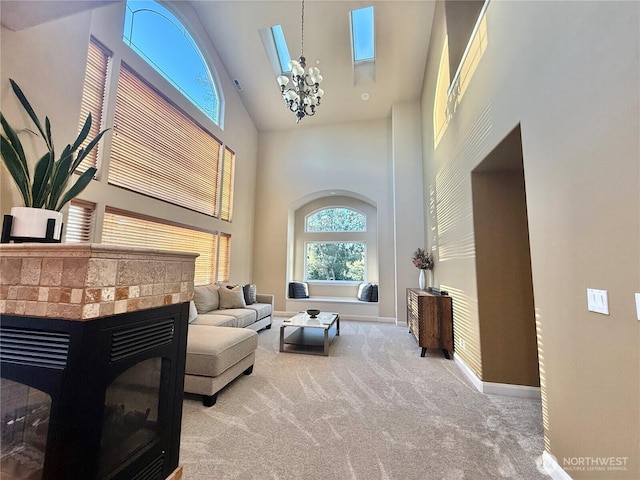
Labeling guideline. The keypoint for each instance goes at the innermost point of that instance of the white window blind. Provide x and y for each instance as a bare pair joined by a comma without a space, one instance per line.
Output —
93,95
224,257
125,228
80,221
226,199
157,150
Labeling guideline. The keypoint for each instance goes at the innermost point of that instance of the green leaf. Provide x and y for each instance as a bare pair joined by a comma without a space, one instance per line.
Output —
15,142
27,106
83,153
83,133
78,187
41,179
60,178
48,140
16,169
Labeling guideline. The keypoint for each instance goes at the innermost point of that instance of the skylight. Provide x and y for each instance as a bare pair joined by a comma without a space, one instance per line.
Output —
281,48
362,34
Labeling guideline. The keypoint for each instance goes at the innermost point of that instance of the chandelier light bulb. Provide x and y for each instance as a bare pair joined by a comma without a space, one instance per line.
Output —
314,71
283,80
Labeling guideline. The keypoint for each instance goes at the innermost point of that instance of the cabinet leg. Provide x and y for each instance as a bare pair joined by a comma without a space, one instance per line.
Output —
424,351
446,354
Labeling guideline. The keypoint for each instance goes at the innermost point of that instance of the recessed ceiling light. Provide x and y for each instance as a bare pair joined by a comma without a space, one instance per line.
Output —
364,96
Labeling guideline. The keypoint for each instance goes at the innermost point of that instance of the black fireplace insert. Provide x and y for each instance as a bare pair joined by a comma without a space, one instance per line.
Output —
98,399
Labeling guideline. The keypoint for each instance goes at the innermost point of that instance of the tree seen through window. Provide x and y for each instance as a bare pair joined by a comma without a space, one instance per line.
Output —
336,219
336,261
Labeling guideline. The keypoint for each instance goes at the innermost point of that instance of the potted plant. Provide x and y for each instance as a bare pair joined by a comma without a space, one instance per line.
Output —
44,192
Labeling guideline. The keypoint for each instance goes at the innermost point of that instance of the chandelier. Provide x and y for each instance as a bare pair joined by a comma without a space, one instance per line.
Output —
304,95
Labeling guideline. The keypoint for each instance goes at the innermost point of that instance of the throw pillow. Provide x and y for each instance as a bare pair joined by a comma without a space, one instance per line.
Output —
298,290
368,292
206,298
250,292
231,298
193,311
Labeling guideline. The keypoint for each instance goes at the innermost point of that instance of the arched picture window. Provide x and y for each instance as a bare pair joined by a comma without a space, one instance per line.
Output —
163,42
336,219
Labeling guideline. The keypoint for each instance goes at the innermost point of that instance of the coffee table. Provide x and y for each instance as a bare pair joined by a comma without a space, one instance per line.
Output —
311,335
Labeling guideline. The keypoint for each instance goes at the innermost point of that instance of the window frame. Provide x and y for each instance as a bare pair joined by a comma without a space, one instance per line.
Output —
179,24
307,243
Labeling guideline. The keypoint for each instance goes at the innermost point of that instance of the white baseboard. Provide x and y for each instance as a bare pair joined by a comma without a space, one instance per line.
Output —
492,388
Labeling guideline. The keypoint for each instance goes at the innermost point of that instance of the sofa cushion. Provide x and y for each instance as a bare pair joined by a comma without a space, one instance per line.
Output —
244,316
231,298
250,293
216,320
298,290
262,309
211,351
206,298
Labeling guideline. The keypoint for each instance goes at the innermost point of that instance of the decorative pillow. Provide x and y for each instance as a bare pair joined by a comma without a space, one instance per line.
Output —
193,311
298,290
206,298
250,292
368,292
231,298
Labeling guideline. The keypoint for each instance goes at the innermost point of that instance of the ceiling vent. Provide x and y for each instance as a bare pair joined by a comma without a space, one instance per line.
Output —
236,83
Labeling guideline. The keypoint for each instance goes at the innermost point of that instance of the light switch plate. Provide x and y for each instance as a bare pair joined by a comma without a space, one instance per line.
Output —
638,305
598,301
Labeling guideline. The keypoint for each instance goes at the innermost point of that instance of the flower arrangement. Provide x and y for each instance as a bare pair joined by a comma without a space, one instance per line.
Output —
422,259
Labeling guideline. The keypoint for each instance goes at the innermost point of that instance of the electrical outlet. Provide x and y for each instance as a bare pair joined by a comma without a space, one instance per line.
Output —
598,301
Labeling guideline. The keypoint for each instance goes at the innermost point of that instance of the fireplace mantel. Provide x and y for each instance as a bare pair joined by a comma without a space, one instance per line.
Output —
83,281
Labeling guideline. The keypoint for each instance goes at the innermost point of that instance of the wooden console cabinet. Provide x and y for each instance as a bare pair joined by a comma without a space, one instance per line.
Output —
430,319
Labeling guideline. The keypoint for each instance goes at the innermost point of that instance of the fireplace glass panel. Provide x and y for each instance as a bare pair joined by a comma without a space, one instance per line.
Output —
130,414
24,412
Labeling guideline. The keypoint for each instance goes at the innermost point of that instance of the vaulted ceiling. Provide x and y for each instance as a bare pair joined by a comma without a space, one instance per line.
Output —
403,29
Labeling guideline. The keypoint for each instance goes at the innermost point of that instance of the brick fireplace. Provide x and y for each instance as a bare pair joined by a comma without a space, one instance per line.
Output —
92,351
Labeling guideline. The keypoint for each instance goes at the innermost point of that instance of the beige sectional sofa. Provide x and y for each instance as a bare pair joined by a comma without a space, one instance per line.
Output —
222,336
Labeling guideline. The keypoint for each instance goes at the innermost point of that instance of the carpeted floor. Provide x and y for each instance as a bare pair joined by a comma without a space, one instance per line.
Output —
373,409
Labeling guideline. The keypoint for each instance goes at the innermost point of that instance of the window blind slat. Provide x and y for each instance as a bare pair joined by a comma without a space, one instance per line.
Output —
125,228
226,198
93,96
158,151
80,221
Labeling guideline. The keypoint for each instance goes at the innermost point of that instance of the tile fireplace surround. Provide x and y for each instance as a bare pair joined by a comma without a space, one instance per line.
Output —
82,281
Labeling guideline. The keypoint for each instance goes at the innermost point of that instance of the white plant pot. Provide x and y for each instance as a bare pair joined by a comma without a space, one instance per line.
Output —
32,222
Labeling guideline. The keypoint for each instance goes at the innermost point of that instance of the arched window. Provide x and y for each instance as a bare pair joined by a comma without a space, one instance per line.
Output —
336,219
163,42
335,244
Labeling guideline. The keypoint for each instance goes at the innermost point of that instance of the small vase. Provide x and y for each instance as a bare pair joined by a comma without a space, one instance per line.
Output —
421,279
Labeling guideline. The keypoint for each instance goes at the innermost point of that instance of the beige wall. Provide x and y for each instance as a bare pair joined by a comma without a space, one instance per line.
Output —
299,165
52,76
568,72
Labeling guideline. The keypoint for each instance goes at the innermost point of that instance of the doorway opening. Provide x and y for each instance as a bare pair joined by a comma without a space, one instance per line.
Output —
503,267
